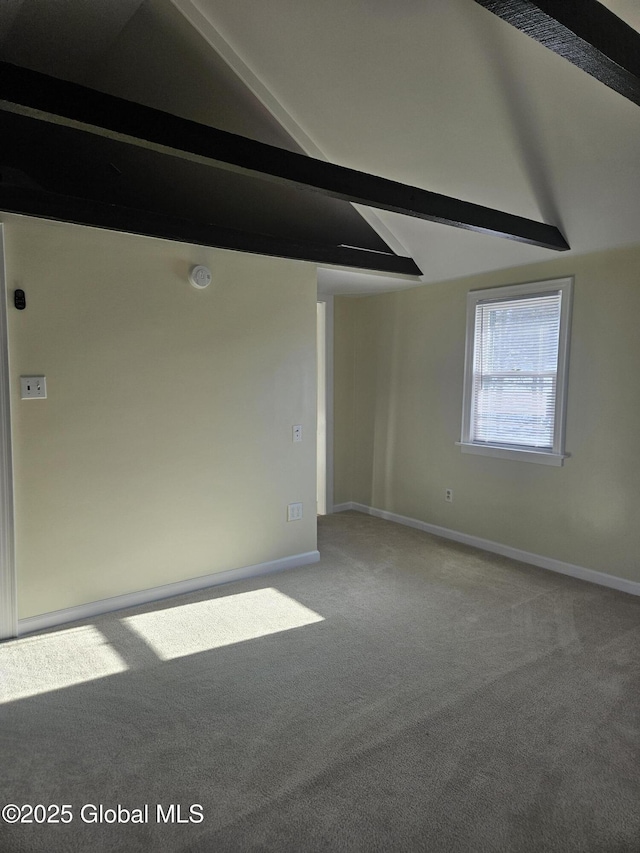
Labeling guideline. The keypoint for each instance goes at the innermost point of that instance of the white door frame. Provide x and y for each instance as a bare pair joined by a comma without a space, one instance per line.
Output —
8,584
327,403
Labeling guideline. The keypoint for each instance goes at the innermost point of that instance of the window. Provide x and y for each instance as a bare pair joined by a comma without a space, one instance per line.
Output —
515,371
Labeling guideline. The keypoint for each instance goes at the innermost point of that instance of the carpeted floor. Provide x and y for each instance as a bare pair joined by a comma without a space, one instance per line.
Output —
404,694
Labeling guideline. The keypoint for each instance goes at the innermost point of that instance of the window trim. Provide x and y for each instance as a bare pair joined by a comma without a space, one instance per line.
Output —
556,455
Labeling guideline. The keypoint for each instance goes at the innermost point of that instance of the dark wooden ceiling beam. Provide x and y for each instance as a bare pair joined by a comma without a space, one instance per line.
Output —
81,211
585,32
56,101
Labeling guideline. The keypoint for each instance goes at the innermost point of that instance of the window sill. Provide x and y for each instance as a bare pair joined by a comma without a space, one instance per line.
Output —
541,457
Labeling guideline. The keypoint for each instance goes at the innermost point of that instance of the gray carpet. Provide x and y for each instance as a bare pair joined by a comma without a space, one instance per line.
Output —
431,698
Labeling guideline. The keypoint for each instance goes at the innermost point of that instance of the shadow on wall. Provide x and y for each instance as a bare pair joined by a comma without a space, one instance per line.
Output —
386,417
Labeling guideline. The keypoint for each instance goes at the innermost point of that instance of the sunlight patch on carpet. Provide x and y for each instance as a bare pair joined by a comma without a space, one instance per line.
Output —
204,625
33,665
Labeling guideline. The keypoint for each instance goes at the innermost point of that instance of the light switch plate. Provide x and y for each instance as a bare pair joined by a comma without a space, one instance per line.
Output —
297,432
33,387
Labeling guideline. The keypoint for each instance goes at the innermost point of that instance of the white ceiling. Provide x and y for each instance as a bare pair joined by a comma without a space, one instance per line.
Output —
440,94
443,95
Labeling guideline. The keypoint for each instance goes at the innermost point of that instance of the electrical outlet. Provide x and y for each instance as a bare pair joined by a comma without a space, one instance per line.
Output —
448,495
294,512
297,432
33,387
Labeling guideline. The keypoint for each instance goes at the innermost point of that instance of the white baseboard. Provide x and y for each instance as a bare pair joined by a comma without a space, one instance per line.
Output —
601,578
146,596
343,507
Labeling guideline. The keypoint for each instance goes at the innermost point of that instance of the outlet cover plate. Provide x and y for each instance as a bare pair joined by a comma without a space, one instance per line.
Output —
294,512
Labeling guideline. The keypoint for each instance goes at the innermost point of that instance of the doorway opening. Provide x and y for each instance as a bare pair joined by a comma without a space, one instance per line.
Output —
321,457
324,339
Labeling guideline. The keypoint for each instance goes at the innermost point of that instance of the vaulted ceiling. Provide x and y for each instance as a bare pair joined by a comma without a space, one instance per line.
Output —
437,94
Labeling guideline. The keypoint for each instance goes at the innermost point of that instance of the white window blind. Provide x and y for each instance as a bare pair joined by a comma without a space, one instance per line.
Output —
515,367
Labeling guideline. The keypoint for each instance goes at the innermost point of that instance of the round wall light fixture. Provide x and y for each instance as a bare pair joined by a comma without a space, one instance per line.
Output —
200,277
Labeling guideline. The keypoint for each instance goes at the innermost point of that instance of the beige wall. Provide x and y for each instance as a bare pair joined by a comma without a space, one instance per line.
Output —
163,451
406,406
344,311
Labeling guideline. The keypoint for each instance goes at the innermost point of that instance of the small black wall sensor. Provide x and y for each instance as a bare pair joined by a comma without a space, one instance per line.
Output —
19,300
